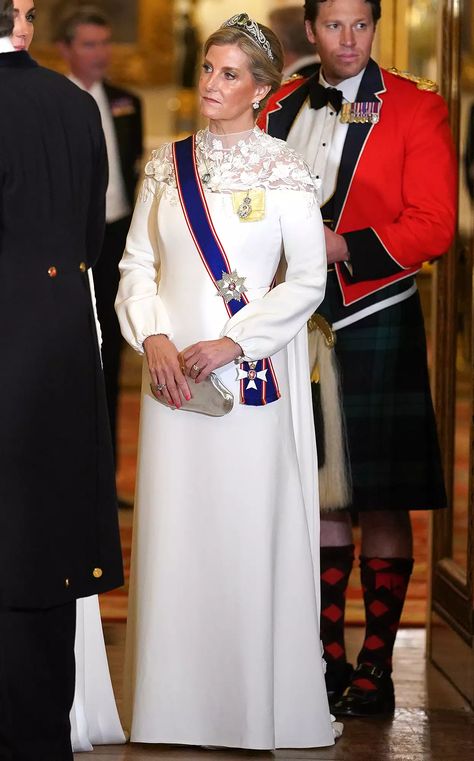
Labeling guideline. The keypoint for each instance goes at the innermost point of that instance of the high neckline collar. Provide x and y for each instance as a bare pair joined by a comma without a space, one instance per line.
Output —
215,141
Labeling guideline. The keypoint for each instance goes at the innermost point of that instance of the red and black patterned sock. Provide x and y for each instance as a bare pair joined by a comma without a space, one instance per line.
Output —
336,566
384,584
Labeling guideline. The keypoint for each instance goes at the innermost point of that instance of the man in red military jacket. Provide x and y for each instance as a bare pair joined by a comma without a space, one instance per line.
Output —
382,150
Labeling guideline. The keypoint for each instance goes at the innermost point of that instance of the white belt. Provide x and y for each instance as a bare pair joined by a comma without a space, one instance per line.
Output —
374,308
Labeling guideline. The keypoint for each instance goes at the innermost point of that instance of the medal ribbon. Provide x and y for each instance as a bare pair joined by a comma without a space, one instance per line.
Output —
258,383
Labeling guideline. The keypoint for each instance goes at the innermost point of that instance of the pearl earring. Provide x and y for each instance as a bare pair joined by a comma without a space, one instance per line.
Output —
256,105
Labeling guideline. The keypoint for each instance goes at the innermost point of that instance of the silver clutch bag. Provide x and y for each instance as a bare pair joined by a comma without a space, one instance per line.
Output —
209,397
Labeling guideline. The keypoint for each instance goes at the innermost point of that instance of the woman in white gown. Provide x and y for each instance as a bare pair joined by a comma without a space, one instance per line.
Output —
223,644
94,717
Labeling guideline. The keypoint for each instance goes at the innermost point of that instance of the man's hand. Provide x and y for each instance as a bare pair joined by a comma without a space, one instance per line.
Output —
336,247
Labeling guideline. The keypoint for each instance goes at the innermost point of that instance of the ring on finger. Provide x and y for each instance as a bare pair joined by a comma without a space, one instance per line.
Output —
160,386
196,369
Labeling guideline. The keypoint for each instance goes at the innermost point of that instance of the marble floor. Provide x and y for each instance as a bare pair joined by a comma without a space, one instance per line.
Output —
432,722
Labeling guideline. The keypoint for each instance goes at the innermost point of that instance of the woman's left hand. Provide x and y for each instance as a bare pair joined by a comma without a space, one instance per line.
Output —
202,358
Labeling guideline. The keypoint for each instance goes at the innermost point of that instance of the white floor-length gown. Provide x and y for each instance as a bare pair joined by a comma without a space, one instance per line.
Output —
94,717
223,643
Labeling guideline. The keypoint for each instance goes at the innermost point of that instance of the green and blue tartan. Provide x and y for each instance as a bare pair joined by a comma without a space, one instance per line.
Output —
391,426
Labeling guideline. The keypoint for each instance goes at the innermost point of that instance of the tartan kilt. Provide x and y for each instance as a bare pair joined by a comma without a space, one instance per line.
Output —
391,427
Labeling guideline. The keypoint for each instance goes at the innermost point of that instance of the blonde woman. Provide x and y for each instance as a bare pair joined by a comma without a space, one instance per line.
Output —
223,644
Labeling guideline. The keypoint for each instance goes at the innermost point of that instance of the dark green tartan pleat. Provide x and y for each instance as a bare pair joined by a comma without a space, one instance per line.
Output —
393,442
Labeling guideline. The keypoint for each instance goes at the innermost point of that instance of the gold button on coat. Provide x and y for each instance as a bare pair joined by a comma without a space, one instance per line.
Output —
97,573
66,583
52,272
83,266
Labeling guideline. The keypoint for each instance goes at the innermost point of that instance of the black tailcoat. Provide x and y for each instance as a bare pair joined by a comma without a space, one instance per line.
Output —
59,536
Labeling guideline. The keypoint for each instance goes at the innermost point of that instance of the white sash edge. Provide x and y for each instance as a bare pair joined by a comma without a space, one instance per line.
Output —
374,308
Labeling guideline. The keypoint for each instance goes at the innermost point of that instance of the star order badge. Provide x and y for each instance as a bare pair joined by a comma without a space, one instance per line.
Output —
231,286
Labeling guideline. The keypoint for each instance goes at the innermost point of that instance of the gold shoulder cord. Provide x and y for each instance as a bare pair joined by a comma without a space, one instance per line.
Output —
421,82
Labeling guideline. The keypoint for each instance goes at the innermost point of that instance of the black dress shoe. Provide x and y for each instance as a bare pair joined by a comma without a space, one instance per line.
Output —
357,701
338,677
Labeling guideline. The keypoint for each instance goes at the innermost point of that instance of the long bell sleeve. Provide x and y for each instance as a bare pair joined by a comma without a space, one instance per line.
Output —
139,308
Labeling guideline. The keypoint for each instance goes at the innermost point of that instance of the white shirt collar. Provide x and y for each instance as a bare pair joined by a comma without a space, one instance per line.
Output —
6,45
95,90
348,87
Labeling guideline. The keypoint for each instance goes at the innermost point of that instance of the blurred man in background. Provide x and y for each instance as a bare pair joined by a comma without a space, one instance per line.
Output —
84,37
300,54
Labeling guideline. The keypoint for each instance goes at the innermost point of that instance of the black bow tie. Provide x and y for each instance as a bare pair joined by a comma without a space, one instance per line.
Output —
323,96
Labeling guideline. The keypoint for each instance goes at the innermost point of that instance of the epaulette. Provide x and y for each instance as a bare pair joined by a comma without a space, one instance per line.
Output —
291,78
421,82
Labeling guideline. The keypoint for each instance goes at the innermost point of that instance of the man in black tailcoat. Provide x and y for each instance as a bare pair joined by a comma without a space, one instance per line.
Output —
59,537
84,36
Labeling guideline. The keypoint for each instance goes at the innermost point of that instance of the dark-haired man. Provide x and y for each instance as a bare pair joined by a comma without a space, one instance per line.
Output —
84,37
59,536
382,147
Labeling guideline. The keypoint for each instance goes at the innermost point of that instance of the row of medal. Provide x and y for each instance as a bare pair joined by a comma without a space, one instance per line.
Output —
364,112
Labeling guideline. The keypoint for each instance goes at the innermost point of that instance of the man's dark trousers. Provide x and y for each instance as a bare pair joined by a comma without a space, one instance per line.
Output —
37,670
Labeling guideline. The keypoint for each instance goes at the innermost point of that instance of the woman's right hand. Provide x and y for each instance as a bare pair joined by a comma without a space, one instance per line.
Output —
165,370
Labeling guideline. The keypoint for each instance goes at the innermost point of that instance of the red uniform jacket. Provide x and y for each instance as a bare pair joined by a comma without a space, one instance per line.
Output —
395,199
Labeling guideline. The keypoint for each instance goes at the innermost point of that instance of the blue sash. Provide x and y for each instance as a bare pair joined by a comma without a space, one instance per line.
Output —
258,383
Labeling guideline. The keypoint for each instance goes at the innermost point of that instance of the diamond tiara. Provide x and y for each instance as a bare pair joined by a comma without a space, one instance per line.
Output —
251,29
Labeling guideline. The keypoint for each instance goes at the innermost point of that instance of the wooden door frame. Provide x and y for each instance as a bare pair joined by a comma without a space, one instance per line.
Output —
452,593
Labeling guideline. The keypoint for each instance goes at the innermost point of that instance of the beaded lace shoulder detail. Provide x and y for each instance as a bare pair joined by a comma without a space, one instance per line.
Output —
256,161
